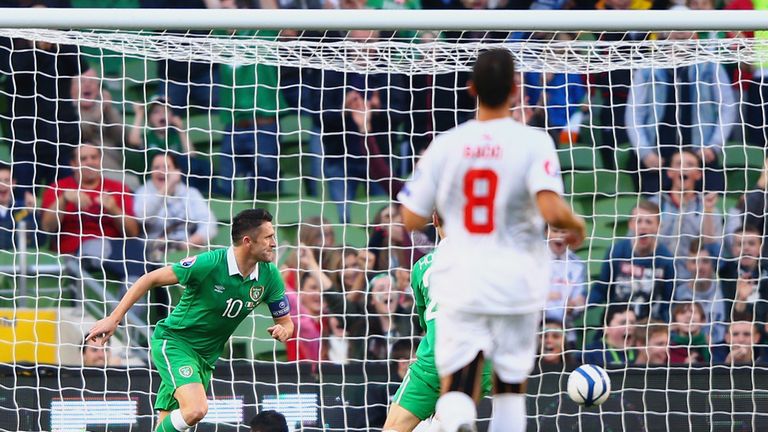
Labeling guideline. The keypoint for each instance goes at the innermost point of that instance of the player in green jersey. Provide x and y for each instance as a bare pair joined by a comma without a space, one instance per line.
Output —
222,287
417,396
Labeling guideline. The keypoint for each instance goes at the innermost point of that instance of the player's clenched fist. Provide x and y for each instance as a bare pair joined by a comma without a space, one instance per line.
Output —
279,332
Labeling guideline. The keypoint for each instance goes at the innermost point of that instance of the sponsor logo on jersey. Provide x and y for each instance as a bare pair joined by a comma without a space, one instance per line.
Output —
218,288
256,292
186,371
551,168
188,261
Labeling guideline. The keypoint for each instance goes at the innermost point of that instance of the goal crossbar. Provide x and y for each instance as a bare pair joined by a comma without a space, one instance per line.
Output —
137,19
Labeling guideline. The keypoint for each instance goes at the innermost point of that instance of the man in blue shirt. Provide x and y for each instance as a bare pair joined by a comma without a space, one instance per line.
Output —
638,273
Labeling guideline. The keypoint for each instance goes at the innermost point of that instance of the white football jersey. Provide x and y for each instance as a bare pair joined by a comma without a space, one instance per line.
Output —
482,177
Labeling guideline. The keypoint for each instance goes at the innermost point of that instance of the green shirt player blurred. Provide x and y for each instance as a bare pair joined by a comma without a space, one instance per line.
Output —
417,396
222,287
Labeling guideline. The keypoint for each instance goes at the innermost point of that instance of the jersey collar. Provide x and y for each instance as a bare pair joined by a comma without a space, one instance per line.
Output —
232,265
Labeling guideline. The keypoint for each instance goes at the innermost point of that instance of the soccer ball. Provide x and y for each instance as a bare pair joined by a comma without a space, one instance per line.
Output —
589,385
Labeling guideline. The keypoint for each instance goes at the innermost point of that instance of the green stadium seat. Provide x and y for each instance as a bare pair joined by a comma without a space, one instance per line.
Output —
740,156
579,158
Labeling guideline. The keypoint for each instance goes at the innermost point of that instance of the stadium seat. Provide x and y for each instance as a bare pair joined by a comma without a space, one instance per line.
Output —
579,158
738,155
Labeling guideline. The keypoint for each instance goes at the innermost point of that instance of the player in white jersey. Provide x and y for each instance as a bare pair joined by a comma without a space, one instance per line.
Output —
495,182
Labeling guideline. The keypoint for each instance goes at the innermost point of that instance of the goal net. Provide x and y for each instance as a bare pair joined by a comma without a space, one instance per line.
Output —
661,141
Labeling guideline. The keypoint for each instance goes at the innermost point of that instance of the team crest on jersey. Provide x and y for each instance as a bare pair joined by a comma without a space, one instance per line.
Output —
256,292
186,371
188,261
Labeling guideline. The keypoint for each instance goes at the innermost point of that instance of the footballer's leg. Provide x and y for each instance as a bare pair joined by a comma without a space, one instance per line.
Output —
508,406
513,359
461,340
400,419
181,399
414,400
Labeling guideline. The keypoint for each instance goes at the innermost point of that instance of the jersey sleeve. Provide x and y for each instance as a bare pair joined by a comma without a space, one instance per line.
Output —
193,269
420,192
275,297
544,170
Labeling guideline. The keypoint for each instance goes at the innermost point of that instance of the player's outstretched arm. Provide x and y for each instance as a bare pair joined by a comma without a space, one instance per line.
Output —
106,327
558,214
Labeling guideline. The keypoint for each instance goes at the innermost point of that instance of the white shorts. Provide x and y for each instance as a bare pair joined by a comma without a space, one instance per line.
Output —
507,340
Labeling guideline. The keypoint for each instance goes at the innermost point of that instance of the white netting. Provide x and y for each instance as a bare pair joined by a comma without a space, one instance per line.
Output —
322,129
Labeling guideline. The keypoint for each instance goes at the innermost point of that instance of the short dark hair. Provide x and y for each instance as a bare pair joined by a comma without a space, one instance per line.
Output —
614,310
493,77
4,166
247,221
269,421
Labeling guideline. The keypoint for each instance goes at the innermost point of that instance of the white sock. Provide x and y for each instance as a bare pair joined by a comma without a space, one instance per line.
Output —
455,409
178,421
433,426
508,413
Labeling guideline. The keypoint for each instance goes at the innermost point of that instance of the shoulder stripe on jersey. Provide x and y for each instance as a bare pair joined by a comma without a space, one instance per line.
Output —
168,362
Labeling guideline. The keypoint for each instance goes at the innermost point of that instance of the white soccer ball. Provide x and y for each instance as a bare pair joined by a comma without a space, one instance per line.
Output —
589,385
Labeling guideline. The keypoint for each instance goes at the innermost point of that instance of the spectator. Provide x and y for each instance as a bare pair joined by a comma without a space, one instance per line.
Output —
316,249
96,354
568,281
13,210
358,114
704,288
391,246
269,421
744,281
346,302
44,125
176,216
741,340
92,217
652,341
556,98
307,316
383,310
552,348
613,87
751,209
678,107
687,214
638,272
689,343
165,132
250,102
617,347
101,124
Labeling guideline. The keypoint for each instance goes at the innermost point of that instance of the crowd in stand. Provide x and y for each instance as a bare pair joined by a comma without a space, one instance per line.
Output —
684,285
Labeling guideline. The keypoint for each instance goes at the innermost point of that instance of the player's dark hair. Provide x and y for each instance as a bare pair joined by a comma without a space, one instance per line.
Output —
269,421
248,221
493,77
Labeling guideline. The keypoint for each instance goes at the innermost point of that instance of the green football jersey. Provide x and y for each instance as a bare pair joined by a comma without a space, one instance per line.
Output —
216,299
425,308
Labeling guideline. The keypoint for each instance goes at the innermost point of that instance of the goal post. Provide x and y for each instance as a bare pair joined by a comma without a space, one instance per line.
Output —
297,113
